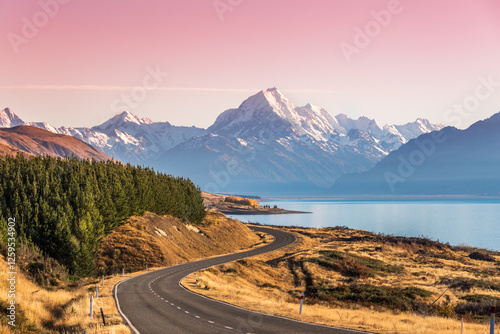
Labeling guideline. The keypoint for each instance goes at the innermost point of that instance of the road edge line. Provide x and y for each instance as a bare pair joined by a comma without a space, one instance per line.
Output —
129,323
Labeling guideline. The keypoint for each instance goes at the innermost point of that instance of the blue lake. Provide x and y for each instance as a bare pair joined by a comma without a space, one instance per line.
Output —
473,222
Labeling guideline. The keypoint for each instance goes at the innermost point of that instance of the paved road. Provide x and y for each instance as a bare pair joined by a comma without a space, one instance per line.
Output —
155,302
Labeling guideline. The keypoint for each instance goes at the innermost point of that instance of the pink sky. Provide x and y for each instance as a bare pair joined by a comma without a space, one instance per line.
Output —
74,69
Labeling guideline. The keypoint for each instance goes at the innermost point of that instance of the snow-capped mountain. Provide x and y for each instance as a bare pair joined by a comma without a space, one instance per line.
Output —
446,162
125,137
269,143
270,114
8,119
265,144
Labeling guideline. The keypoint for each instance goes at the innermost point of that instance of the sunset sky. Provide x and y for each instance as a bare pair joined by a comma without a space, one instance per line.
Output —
70,62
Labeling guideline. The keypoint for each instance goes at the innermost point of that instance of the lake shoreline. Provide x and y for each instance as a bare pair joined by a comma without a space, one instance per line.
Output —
263,212
455,221
376,198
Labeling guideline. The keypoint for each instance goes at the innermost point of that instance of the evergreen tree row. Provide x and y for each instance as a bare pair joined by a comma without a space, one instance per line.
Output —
66,206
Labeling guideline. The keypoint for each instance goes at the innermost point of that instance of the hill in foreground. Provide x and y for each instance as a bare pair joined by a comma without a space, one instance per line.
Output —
159,241
30,140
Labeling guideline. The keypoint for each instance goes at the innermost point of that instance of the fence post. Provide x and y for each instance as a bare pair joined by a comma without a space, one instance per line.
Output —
102,280
492,321
103,321
301,301
123,272
96,291
91,312
147,268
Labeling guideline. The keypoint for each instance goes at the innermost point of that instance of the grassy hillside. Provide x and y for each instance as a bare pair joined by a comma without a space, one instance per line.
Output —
356,279
162,239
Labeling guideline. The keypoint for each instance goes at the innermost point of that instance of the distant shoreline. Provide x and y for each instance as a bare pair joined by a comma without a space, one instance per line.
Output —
370,197
261,212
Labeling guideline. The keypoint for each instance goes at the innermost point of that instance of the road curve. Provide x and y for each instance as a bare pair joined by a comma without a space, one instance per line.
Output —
155,302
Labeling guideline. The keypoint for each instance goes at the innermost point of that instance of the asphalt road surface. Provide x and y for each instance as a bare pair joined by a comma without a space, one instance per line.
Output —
156,303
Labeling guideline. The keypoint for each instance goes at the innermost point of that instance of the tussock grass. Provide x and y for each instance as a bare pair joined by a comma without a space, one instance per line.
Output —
162,240
65,308
359,280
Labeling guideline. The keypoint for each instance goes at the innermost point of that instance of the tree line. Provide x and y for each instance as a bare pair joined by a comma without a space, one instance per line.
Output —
64,207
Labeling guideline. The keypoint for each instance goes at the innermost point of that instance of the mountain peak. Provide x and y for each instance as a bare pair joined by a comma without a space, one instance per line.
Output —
9,119
123,118
128,117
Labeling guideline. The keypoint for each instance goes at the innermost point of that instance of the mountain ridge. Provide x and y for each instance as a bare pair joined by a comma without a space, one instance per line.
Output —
445,162
272,142
30,140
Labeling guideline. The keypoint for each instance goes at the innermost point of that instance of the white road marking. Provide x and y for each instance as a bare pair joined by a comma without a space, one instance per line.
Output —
211,322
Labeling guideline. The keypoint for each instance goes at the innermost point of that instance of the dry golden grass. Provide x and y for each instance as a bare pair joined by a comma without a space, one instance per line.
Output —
162,240
66,309
268,284
62,310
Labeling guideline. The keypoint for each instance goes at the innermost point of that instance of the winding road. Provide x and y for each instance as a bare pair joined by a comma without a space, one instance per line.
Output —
156,303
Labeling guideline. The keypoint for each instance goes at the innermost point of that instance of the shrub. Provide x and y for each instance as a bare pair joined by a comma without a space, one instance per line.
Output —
477,298
270,285
481,256
395,298
352,265
465,284
477,310
241,200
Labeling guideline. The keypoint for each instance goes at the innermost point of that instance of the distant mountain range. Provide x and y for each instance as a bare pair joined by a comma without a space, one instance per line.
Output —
266,145
445,162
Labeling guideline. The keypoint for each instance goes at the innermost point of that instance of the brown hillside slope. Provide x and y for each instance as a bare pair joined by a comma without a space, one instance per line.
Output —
6,149
42,142
161,240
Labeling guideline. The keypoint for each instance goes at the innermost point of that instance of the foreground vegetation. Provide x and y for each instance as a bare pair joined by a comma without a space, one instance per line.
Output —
71,204
152,240
359,280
